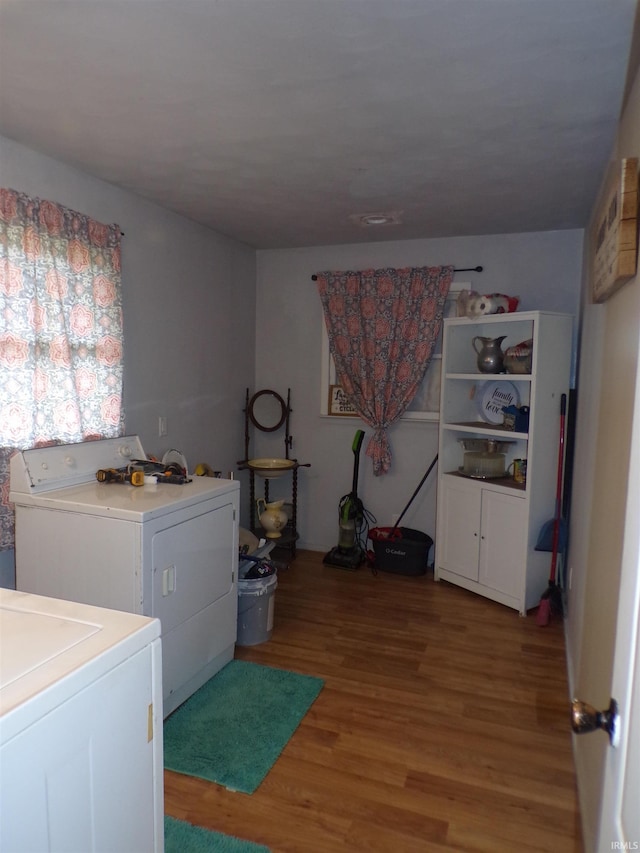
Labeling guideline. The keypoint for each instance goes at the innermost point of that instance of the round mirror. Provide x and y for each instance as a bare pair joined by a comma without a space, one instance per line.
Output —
267,411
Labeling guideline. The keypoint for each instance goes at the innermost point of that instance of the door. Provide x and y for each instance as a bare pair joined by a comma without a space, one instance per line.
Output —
503,536
460,527
194,560
602,611
619,815
603,543
192,564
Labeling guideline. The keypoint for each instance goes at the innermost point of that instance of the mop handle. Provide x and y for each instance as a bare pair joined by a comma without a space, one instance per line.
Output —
556,521
429,469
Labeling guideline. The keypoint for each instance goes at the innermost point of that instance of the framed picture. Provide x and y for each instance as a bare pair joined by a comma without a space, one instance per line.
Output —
615,238
339,403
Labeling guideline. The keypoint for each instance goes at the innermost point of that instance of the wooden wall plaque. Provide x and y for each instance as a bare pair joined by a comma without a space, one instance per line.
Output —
615,237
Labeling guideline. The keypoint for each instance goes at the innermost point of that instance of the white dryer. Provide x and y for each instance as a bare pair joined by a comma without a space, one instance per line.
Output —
167,550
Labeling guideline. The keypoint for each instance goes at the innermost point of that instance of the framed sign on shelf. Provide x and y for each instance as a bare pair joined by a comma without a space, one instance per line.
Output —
615,238
339,402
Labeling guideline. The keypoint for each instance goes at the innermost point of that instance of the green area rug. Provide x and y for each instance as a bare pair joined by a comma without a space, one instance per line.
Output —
183,837
232,730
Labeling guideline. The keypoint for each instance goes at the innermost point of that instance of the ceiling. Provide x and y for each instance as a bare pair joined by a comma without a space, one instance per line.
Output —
276,122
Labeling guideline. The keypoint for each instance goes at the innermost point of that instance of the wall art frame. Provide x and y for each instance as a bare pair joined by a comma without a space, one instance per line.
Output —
615,232
339,403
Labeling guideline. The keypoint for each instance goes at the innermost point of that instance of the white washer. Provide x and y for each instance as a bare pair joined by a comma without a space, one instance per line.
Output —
168,551
80,728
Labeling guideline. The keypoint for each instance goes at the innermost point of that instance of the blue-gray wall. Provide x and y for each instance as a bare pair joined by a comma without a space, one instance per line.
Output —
189,312
543,269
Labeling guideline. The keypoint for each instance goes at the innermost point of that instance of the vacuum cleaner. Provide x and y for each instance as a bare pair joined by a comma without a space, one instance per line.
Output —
349,553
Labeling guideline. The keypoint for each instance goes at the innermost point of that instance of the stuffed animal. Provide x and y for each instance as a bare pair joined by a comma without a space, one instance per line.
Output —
472,304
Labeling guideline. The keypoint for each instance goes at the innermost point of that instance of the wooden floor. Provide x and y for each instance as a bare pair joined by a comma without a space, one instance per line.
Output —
443,724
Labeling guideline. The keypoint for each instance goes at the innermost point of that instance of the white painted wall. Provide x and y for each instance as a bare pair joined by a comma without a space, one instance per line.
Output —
543,269
197,326
189,312
189,296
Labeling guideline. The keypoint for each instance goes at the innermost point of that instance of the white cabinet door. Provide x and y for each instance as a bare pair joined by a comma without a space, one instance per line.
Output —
503,537
483,535
460,531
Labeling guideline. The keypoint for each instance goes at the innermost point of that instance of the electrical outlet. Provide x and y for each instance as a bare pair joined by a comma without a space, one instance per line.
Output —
162,426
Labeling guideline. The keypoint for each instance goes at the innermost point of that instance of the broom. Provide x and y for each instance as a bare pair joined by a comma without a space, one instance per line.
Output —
551,600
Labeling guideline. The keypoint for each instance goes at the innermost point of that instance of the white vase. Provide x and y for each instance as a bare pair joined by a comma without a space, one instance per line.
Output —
272,517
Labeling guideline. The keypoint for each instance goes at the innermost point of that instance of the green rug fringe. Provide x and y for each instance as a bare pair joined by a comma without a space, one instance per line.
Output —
232,730
183,837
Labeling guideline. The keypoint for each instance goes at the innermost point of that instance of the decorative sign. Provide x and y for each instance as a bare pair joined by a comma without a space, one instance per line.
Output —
493,397
339,402
615,240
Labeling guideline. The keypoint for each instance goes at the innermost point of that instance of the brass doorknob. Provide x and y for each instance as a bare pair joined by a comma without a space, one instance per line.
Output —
585,718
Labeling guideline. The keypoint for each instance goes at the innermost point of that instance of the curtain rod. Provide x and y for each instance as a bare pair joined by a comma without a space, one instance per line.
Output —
466,269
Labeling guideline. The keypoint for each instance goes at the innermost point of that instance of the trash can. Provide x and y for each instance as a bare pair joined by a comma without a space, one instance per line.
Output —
400,550
256,604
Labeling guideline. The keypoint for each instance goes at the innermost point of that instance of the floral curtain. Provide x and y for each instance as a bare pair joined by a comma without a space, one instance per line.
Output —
382,327
61,358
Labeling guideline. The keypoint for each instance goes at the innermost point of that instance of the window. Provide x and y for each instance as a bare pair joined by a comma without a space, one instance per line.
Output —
61,358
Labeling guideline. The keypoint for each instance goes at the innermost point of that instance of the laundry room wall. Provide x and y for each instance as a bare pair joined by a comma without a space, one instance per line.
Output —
192,299
188,298
543,269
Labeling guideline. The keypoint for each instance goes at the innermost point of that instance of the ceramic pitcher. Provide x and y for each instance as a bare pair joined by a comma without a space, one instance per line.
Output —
272,518
490,355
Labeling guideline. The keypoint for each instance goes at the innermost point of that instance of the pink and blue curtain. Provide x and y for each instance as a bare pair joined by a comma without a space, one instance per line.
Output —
61,336
382,326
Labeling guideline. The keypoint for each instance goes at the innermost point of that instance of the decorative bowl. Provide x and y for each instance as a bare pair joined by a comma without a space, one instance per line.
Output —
271,468
518,359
